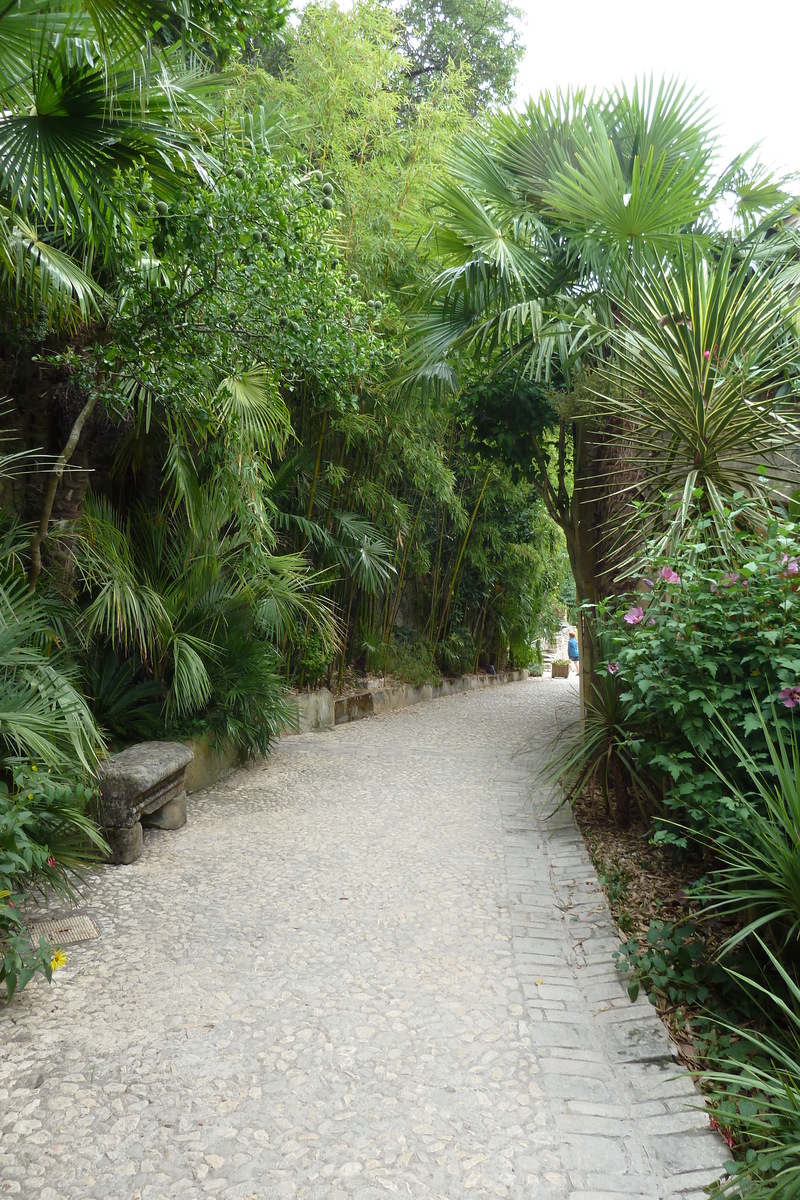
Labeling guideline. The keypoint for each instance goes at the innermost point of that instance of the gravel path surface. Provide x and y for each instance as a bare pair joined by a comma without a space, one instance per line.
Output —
365,968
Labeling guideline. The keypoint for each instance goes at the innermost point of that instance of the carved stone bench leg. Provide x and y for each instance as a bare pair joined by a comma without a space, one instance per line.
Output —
171,815
126,843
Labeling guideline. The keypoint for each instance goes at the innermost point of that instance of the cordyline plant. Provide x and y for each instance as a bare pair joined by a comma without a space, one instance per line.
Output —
699,396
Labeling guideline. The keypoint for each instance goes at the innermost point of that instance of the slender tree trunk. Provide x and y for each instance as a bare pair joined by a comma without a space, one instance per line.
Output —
52,487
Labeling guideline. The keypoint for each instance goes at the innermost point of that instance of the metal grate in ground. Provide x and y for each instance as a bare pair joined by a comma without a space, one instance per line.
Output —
62,931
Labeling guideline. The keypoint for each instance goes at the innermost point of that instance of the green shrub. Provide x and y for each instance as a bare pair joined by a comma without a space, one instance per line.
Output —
716,624
602,749
124,702
410,659
761,1093
756,873
671,964
457,652
313,657
47,839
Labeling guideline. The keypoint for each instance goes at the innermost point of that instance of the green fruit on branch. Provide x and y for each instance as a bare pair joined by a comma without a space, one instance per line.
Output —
240,173
162,208
327,189
327,203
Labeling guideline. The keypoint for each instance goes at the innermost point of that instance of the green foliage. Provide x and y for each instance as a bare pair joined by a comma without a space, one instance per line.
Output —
43,715
85,93
357,128
696,400
265,315
410,659
237,27
761,1093
457,652
205,611
671,964
569,191
19,960
124,702
46,839
482,37
756,873
558,242
314,658
701,649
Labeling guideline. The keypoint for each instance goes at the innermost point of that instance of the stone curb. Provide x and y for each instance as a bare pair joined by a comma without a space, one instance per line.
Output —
647,1085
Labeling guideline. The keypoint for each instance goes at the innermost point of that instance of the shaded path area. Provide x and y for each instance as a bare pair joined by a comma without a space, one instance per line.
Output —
365,969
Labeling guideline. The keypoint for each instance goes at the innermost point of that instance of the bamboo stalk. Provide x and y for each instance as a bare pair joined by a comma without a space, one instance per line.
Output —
316,466
459,559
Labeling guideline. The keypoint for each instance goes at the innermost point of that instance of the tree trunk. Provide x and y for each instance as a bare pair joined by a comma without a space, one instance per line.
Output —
52,487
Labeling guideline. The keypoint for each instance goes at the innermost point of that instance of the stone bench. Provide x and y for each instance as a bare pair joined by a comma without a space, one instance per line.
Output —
144,783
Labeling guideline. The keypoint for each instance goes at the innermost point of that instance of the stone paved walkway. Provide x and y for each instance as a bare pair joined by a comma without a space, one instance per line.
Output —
364,969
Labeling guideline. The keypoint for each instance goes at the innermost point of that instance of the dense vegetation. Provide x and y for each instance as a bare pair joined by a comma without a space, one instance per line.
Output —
215,486
313,372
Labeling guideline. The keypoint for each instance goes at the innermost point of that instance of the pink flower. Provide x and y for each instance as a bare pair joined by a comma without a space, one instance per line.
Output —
668,575
613,668
648,582
706,354
634,615
652,621
51,862
730,580
790,565
790,697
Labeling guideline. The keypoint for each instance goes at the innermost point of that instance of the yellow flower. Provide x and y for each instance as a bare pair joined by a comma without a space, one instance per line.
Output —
59,959
30,795
34,767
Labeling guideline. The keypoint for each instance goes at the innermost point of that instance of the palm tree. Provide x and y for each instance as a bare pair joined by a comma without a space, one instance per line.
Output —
85,94
88,105
542,236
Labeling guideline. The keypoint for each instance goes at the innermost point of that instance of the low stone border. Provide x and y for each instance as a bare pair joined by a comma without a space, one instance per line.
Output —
321,710
388,699
584,1023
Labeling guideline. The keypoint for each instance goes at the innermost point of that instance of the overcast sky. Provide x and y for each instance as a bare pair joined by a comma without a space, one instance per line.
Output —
746,59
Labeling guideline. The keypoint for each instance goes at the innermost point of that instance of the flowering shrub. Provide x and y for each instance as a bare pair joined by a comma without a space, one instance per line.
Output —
46,839
716,629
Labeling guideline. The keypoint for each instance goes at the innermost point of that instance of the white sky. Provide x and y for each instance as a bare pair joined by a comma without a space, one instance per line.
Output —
745,58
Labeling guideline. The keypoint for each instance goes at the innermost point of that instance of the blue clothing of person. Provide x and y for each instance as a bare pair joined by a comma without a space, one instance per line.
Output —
572,649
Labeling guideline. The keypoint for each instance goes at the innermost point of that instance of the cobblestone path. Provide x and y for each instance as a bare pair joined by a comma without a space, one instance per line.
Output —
364,969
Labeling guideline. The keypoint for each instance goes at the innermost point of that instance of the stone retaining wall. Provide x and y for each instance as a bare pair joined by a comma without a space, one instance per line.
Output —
320,710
